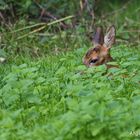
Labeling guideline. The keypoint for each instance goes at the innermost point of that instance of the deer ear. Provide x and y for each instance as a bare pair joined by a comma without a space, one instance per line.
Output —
109,38
98,37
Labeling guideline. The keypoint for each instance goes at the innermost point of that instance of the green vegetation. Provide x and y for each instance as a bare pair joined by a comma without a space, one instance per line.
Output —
47,93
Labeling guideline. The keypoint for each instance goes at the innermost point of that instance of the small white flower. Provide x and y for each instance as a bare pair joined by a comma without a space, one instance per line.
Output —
2,59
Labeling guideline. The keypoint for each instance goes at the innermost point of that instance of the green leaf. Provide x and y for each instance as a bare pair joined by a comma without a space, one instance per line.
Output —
31,98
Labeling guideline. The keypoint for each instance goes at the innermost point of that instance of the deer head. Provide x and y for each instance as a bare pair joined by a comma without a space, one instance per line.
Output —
100,53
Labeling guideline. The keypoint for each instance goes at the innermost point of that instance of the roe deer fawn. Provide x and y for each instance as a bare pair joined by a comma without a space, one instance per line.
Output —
100,53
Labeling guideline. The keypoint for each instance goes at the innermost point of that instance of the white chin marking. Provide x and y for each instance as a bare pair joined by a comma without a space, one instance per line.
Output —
91,65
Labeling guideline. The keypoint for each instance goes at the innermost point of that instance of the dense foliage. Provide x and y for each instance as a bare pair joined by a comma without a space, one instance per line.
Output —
47,93
58,98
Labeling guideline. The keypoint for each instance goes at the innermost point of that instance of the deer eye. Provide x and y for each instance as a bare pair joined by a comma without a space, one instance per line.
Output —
93,61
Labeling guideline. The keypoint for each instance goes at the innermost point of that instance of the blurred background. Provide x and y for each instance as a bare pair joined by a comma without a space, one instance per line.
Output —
124,14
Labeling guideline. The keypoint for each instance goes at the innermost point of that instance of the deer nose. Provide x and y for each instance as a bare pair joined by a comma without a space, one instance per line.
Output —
94,60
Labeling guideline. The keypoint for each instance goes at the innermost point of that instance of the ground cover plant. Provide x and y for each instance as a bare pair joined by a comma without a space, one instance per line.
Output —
47,93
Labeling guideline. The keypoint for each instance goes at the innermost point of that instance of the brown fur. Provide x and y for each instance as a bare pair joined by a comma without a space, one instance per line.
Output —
100,53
